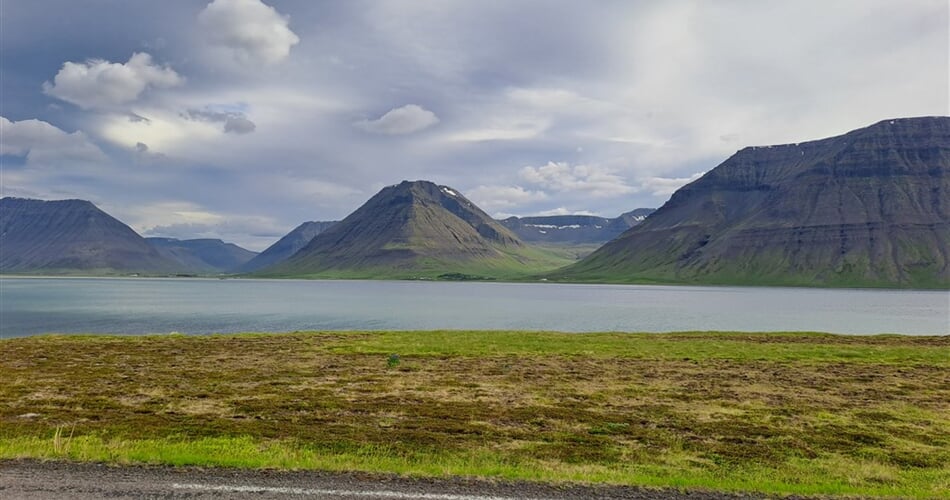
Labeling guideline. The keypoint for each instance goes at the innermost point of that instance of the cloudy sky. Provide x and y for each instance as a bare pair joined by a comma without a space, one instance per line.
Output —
240,119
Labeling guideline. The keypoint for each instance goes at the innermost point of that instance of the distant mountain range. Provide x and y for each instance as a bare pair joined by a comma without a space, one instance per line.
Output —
573,229
202,256
869,208
76,237
415,229
552,230
71,235
285,247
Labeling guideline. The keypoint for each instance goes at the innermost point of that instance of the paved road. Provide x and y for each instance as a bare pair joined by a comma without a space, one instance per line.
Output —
26,479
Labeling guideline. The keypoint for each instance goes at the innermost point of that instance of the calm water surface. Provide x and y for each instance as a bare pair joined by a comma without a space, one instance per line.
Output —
30,306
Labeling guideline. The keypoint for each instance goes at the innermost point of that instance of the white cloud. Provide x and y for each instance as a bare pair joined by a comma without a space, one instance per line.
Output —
314,192
593,180
405,120
665,186
557,101
520,114
99,84
502,130
187,220
162,130
253,32
233,126
565,211
494,198
43,143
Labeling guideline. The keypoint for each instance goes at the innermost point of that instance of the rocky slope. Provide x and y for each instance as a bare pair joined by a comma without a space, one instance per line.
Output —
71,235
414,229
870,208
288,245
202,256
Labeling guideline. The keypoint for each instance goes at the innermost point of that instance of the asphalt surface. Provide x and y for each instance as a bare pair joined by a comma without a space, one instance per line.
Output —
28,479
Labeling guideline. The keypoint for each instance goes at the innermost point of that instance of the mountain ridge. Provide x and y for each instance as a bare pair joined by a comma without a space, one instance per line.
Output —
867,208
573,229
202,255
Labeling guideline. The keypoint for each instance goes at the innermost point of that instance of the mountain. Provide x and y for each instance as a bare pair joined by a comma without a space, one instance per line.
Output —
202,256
287,246
635,216
416,230
573,229
870,208
70,235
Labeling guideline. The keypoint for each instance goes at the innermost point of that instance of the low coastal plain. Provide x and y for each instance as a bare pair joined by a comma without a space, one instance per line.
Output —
773,413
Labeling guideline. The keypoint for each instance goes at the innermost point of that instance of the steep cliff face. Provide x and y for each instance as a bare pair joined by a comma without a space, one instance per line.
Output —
288,245
70,235
410,229
868,208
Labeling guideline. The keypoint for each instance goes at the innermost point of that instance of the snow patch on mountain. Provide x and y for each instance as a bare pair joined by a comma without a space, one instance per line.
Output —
551,226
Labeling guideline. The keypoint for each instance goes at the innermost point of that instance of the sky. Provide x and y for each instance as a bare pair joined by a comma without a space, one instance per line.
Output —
240,119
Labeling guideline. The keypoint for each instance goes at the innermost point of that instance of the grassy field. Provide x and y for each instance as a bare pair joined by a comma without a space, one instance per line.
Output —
774,413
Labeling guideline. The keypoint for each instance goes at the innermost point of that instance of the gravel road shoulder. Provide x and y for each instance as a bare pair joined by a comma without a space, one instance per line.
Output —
29,479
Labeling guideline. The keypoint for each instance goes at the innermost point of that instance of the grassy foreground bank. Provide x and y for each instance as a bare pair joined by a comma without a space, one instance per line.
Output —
775,413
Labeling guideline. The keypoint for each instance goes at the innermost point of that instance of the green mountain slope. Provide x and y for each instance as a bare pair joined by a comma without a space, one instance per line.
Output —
416,230
870,208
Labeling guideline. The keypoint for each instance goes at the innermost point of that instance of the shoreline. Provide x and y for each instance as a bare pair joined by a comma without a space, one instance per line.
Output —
514,281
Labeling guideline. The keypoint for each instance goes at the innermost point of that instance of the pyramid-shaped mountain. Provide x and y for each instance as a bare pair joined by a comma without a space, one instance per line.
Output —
415,229
71,235
870,208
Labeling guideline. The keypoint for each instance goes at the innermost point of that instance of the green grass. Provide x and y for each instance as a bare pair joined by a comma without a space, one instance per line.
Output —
854,271
771,413
570,252
513,265
698,346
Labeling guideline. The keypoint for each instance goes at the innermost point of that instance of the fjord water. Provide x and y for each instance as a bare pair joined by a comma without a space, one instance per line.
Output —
30,306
